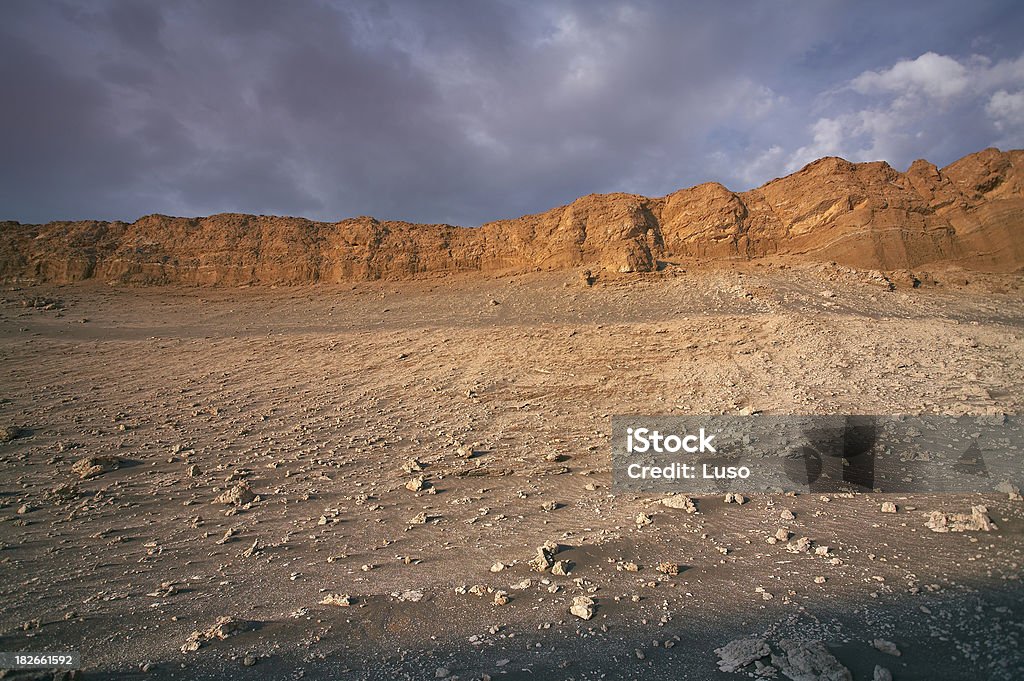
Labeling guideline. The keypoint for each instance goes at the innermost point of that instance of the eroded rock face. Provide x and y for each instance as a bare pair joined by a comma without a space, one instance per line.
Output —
864,215
797,660
809,661
737,654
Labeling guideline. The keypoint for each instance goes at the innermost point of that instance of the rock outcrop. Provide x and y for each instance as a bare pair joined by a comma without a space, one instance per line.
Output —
864,215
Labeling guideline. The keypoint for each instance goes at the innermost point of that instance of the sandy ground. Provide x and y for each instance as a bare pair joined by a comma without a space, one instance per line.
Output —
315,397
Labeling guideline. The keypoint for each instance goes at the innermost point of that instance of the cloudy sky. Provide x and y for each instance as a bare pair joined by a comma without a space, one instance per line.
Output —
464,112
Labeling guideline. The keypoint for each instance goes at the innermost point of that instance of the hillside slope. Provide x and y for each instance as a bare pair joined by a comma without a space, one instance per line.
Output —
866,215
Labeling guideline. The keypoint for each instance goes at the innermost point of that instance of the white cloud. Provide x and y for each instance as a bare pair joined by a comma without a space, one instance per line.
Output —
762,166
986,76
1007,110
932,75
829,140
901,112
757,101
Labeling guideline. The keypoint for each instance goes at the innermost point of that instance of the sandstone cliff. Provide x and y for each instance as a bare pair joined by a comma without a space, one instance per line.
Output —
864,215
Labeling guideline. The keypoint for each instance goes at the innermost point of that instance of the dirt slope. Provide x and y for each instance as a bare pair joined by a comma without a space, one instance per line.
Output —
318,397
864,215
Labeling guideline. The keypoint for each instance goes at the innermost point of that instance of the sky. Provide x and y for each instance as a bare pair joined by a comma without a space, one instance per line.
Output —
463,112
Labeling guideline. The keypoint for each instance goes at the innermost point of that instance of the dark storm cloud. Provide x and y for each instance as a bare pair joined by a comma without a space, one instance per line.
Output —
468,111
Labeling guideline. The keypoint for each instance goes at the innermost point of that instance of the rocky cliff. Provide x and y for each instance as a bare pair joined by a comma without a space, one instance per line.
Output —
864,215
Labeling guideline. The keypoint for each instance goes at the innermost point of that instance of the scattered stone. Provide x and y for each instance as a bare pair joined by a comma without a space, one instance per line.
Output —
501,598
680,501
561,568
801,545
341,600
416,484
43,303
668,568
889,507
93,466
412,466
819,580
786,514
737,654
411,595
8,433
63,492
642,519
166,590
1009,489
887,647
222,629
783,534
976,521
881,674
239,495
582,607
735,498
498,567
544,559
249,661
441,673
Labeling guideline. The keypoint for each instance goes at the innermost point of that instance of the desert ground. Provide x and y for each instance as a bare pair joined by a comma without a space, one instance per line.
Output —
257,454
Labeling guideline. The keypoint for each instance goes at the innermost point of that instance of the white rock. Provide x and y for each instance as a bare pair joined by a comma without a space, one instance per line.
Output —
582,607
